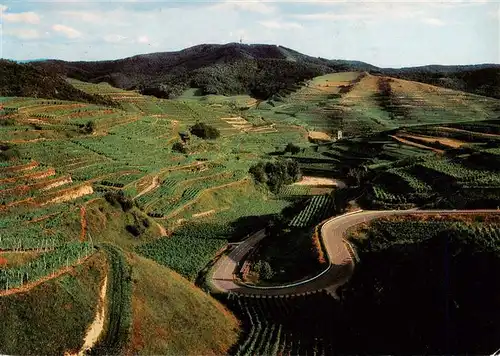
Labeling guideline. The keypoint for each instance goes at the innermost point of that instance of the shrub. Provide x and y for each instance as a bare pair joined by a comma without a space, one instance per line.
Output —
179,147
292,148
8,153
8,121
134,230
118,198
88,128
204,131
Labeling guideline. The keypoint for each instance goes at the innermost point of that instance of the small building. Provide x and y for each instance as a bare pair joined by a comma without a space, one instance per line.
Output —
339,135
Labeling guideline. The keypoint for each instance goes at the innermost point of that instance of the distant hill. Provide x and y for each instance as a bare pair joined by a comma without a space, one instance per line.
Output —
259,70
26,80
23,61
482,79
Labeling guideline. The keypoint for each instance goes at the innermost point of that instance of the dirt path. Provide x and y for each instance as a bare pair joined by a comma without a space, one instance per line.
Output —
83,223
202,214
163,231
95,329
28,286
154,184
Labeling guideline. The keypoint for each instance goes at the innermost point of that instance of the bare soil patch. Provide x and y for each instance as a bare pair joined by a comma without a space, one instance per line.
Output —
414,144
95,329
318,135
320,181
205,213
453,143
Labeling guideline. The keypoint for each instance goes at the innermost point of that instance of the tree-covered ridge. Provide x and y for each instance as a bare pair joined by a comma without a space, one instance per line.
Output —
260,70
27,81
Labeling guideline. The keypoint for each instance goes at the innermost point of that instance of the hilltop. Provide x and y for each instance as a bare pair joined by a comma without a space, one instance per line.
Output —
260,70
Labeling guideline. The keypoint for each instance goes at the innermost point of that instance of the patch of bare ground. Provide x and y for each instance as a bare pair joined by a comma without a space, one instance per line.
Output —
163,232
204,213
450,142
45,185
414,144
68,194
20,168
318,135
95,329
320,181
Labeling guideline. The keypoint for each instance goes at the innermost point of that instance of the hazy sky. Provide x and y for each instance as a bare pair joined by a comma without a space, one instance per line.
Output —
384,33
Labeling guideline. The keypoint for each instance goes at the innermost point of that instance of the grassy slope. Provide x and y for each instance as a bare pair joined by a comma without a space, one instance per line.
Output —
424,103
171,316
53,317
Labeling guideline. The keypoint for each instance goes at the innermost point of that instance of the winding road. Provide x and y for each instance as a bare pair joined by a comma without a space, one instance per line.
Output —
341,264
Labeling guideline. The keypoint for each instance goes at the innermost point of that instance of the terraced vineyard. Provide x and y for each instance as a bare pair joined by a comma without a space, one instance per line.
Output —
44,265
76,178
273,325
318,208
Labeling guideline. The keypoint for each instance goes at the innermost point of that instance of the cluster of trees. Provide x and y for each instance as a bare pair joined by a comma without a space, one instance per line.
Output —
26,80
276,174
204,131
262,78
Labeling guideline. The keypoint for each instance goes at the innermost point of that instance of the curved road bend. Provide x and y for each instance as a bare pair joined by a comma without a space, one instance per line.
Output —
332,233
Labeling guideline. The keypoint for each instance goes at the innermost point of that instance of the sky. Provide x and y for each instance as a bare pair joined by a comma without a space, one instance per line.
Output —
390,33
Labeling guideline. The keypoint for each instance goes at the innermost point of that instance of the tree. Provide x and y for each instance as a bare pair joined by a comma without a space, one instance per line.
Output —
258,172
276,174
292,148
